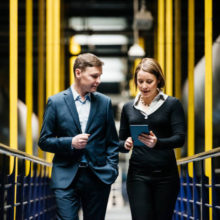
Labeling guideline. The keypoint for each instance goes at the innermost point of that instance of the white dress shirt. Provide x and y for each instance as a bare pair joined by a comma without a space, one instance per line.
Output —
83,109
146,110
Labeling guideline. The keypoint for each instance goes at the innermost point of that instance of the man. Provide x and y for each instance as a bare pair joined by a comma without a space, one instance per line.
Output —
79,129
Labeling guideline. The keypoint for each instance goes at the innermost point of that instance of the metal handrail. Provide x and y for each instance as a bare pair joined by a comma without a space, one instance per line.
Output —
199,192
200,156
20,154
25,193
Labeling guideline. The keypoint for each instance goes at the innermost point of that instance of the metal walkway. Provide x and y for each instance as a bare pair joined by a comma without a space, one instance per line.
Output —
122,213
28,196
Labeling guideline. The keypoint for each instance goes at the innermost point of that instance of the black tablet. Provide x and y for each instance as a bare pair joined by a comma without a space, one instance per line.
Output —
136,130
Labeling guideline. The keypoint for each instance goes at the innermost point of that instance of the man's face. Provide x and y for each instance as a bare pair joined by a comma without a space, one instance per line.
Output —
89,79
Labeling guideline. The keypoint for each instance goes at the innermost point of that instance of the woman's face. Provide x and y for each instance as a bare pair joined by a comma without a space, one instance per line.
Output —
147,83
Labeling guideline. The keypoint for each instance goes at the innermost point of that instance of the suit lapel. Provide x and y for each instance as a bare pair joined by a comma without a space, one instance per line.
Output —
72,107
93,109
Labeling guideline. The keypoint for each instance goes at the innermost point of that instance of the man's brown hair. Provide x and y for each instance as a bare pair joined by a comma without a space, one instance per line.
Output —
86,60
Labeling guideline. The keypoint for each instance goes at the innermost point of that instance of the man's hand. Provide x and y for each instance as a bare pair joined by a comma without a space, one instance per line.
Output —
128,143
80,141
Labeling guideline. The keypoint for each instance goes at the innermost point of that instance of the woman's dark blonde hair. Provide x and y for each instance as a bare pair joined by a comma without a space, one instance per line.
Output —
86,60
150,65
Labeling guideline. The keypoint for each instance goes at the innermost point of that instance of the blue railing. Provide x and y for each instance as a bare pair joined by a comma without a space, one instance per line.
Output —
24,196
194,197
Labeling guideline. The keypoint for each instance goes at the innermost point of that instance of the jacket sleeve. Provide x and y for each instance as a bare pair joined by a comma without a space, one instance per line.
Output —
177,123
112,138
48,140
124,131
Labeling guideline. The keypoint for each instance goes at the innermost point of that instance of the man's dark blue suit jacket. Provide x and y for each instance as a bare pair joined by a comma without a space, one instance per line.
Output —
61,124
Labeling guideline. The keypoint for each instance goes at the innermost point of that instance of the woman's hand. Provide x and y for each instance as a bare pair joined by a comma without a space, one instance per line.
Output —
128,143
148,139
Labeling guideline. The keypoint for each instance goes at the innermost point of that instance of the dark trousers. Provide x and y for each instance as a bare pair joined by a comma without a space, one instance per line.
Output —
86,191
152,195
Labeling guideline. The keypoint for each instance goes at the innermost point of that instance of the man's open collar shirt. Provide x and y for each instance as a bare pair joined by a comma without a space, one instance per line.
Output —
83,107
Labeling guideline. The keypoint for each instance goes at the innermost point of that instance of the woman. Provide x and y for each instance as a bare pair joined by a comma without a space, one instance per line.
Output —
153,180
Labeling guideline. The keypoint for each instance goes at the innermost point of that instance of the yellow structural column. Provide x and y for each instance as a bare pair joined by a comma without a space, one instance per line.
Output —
74,49
161,35
208,94
62,47
133,90
49,48
56,49
29,79
169,47
177,57
62,66
49,56
71,63
41,66
191,64
13,84
13,88
208,75
177,49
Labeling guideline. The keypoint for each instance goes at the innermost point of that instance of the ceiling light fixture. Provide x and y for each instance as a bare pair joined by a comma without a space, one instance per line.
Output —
143,18
135,51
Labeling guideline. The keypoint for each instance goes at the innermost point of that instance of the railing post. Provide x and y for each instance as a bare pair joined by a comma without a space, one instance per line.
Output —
20,191
188,194
181,193
195,194
215,213
34,190
2,185
204,193
11,193
27,181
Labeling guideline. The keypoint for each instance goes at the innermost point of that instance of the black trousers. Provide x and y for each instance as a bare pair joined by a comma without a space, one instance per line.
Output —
86,191
152,194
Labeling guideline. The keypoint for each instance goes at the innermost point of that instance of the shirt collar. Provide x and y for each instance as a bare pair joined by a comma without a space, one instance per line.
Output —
77,97
159,96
